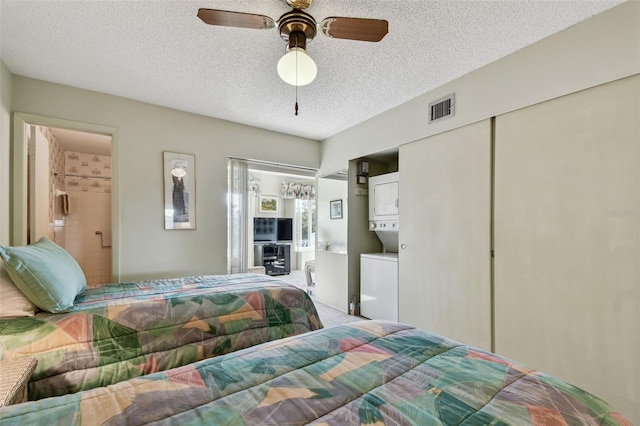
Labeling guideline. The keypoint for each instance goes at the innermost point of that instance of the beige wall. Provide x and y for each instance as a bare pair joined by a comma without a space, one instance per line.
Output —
5,120
445,216
567,240
596,51
143,132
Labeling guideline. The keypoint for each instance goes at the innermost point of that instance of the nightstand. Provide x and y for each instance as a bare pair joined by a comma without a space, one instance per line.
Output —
14,376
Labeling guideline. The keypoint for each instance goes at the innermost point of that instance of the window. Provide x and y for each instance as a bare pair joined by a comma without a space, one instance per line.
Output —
305,223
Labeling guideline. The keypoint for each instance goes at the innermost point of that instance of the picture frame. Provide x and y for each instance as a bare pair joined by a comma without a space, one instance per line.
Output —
269,204
335,209
179,175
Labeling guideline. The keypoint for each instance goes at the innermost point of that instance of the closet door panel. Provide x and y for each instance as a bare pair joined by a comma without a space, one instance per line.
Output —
445,198
567,240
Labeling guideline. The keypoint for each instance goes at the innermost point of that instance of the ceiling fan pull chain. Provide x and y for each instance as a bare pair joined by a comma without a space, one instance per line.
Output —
296,79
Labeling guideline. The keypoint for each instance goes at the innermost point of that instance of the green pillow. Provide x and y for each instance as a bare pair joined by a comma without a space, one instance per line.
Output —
45,273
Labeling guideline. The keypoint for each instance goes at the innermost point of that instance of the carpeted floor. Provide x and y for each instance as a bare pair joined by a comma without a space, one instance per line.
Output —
328,315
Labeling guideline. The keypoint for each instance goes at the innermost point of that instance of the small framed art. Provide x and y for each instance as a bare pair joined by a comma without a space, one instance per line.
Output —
335,209
179,191
268,204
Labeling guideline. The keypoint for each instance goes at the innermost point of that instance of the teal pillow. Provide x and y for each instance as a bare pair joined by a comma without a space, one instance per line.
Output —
45,273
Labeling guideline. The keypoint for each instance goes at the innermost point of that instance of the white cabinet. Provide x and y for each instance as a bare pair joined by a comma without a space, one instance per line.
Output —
331,279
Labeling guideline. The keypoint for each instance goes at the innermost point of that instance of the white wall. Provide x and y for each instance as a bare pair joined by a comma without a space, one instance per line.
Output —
332,266
331,279
270,184
593,52
144,131
5,141
334,231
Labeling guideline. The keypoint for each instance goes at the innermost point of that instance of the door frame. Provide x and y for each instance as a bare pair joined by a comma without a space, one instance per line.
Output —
19,194
260,166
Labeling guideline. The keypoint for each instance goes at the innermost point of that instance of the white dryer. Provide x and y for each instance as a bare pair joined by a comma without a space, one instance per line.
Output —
384,208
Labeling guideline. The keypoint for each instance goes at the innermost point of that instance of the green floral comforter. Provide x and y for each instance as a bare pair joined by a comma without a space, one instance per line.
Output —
370,372
119,331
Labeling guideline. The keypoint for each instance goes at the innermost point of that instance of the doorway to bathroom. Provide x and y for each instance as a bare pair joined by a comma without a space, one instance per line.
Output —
69,186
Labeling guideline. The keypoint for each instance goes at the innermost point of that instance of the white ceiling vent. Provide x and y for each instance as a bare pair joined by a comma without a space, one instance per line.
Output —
442,108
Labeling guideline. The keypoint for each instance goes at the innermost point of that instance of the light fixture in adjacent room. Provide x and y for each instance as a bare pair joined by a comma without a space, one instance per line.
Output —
297,68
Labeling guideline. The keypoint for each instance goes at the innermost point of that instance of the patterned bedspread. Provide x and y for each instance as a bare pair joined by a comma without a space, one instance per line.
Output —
369,372
119,331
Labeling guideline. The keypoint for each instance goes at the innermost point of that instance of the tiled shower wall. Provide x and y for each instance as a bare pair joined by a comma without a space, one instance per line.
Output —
89,214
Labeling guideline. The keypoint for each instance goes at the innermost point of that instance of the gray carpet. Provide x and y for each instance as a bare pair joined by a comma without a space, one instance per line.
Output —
328,315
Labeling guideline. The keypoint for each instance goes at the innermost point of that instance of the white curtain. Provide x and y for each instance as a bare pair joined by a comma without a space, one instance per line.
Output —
237,225
254,186
294,190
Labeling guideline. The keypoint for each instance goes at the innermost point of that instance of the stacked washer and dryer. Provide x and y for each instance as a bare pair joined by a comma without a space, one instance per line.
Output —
379,271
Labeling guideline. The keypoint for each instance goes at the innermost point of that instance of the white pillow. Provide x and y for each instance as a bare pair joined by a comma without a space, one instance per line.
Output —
13,303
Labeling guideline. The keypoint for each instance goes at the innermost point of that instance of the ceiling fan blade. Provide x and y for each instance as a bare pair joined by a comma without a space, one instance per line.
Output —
355,28
235,19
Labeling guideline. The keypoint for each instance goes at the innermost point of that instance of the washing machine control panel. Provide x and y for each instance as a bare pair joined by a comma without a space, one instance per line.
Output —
384,225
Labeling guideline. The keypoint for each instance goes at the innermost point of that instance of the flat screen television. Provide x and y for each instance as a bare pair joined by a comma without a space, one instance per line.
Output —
285,229
272,229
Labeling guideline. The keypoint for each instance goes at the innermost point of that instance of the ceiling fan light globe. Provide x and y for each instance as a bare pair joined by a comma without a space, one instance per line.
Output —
297,68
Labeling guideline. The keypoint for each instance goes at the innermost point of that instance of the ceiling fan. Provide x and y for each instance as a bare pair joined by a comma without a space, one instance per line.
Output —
298,27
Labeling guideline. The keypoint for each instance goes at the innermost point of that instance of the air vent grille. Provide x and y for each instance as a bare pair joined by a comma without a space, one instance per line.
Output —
441,108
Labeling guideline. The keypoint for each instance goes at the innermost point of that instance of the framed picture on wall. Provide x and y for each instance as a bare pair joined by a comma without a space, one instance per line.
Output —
335,209
268,204
179,191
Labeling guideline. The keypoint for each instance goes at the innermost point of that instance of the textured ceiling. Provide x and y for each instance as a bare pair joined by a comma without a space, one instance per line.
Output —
160,52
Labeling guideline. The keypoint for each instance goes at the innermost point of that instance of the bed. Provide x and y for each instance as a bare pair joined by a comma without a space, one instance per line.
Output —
119,331
370,372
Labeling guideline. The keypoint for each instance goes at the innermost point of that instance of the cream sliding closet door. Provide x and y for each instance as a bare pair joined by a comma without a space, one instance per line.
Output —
567,240
445,199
